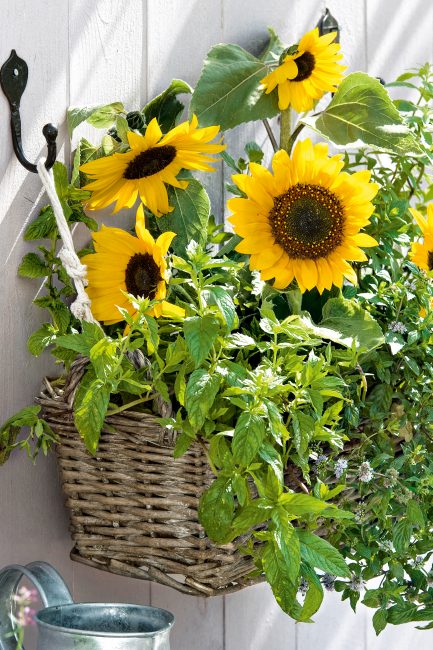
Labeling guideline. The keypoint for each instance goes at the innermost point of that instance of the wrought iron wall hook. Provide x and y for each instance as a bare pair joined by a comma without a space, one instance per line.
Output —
13,80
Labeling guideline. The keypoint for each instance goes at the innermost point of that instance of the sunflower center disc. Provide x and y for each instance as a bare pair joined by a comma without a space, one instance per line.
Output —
430,260
305,63
150,162
142,276
307,221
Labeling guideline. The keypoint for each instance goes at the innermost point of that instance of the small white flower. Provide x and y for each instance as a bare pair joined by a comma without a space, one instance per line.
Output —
397,327
365,473
357,583
340,467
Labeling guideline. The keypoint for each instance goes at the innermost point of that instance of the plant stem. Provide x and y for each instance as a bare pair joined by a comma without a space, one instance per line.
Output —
285,129
270,133
131,404
293,137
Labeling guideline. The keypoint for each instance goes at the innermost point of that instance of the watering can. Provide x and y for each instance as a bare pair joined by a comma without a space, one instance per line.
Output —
65,625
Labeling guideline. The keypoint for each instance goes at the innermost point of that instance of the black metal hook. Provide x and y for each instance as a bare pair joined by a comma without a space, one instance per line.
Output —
13,80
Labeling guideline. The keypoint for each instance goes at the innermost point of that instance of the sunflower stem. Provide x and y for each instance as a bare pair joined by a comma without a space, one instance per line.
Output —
270,133
285,128
292,138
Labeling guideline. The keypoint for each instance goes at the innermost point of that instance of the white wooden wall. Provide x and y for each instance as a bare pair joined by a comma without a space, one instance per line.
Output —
90,51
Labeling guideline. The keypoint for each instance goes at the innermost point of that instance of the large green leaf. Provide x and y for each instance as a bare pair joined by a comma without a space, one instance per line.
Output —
166,107
350,321
319,553
228,92
362,113
190,216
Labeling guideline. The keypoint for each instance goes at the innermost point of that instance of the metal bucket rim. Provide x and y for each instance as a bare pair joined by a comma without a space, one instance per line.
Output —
115,635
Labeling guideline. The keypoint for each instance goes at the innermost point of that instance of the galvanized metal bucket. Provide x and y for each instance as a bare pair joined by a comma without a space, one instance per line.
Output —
65,625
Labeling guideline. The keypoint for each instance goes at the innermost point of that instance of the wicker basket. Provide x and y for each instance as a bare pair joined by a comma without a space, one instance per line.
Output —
133,508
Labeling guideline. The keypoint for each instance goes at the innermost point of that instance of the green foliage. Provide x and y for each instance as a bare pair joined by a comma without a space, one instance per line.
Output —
189,219
166,107
227,92
40,436
361,112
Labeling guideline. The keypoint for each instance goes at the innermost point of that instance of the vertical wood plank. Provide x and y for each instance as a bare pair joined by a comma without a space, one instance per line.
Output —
246,25
107,64
32,519
398,36
254,621
199,622
178,37
335,626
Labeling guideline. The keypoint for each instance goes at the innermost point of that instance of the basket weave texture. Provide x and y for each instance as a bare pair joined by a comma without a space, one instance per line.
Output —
132,507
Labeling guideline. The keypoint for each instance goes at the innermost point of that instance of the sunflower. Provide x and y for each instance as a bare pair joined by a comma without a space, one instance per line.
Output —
422,253
303,221
307,71
124,263
153,162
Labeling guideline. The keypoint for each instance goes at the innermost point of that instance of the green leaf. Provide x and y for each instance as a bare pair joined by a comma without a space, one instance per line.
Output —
200,394
222,299
287,542
166,107
248,437
81,343
278,575
200,334
104,116
38,341
302,504
380,619
254,152
90,410
216,509
228,92
43,226
351,321
33,266
401,536
75,116
362,113
251,515
273,48
314,595
189,219
320,554
414,513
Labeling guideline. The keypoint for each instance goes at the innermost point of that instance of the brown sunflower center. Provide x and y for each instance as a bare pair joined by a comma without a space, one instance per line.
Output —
307,221
430,260
142,276
305,63
150,162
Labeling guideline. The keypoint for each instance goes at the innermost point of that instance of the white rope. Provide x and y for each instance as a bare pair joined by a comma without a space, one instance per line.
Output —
70,260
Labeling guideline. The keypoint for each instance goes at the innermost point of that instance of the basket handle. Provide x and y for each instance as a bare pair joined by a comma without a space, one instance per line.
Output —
49,584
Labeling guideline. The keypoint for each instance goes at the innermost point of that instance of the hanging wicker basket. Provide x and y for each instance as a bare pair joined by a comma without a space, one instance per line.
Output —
133,507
